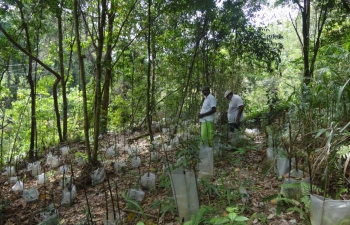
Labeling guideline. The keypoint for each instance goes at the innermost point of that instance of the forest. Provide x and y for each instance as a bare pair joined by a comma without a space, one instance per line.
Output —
99,103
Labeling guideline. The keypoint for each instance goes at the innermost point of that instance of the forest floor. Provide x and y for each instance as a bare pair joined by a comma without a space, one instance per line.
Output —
244,168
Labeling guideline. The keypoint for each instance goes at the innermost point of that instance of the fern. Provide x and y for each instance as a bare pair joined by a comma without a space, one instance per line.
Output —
197,218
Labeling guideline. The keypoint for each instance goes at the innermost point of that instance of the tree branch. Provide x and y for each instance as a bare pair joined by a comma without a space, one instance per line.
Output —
57,75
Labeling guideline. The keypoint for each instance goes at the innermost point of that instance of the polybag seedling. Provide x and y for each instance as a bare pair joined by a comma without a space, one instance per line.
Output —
18,187
55,162
136,162
42,178
206,164
10,171
49,216
64,150
111,151
154,156
63,169
148,180
36,168
98,176
68,195
136,194
13,180
31,194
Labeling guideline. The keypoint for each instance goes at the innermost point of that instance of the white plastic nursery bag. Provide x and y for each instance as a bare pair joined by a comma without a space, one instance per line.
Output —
282,166
36,168
111,151
64,150
81,161
136,194
148,180
110,220
135,162
63,169
68,196
50,215
270,153
154,156
18,187
13,180
55,162
291,188
10,171
42,178
98,176
328,211
184,186
206,165
30,194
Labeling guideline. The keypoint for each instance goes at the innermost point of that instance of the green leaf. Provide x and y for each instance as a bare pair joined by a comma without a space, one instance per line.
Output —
231,209
140,223
219,220
269,198
232,216
341,91
320,132
241,218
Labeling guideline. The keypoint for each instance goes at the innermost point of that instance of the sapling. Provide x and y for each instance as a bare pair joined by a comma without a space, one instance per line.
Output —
88,207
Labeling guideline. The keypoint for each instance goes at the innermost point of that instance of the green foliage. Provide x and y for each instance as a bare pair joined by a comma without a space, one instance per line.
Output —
232,217
188,153
166,206
198,218
208,187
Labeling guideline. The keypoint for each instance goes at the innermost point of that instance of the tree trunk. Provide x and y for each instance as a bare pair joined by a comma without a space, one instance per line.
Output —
190,70
99,50
31,85
82,80
306,40
63,79
149,107
108,76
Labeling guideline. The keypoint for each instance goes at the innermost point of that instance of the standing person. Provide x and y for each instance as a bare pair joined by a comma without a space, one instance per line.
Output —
207,116
235,110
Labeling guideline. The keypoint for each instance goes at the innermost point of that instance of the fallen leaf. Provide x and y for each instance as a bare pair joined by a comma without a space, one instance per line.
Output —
274,201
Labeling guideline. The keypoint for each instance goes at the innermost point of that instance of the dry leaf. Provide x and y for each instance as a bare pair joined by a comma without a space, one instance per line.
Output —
274,201
42,196
130,217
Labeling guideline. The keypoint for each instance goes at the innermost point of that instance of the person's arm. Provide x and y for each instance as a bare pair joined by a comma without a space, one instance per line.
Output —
239,114
213,110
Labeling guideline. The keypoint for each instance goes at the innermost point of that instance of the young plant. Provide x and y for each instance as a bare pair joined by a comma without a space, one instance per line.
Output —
231,218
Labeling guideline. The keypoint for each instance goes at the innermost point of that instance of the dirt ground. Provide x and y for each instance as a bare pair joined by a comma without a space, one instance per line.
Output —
243,168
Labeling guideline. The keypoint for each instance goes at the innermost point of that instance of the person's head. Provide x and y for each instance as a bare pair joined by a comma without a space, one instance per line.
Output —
205,91
228,94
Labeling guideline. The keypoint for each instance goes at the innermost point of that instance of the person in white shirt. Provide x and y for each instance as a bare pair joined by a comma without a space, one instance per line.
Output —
235,110
207,116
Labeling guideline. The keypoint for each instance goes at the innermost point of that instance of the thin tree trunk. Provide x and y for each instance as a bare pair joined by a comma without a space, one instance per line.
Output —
82,80
63,79
148,107
31,84
190,70
99,50
108,76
